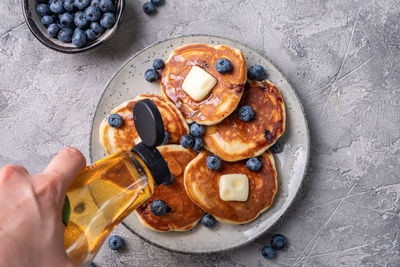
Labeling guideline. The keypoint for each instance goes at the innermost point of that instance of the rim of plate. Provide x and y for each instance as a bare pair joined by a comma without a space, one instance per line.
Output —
307,133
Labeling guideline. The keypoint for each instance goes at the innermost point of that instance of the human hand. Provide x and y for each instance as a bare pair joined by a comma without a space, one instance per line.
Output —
31,228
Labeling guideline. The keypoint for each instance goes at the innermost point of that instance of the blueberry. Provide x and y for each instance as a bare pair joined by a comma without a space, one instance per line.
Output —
158,207
107,20
278,242
157,2
43,10
196,129
82,4
80,20
95,3
92,13
56,6
106,6
79,38
208,220
246,113
223,65
47,20
276,148
198,144
149,8
115,120
67,19
92,265
52,30
256,72
268,252
42,1
90,35
151,75
187,141
69,5
253,164
96,27
116,242
213,162
166,138
158,64
65,35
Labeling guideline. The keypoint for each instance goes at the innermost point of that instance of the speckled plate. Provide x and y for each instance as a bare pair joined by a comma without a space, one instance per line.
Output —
291,163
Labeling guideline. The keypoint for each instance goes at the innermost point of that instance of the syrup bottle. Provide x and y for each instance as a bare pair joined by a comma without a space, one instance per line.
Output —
107,191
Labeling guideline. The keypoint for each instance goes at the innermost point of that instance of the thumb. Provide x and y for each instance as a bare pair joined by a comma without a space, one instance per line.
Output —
64,167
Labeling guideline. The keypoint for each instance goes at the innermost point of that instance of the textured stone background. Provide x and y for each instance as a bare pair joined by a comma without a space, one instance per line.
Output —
343,58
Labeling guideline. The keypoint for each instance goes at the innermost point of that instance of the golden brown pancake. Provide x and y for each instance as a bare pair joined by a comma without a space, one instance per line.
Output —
184,215
202,186
222,99
125,137
233,139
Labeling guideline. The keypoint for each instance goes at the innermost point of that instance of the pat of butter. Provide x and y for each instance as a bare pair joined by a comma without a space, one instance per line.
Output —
234,187
198,83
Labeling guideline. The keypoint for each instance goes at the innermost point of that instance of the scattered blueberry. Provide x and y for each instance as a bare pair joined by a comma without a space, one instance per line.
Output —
52,30
115,242
213,162
208,220
151,75
157,2
96,27
166,138
171,180
268,252
115,120
256,72
158,207
198,144
95,3
90,35
107,20
278,242
66,19
253,164
276,148
196,129
69,5
158,64
82,4
42,1
65,35
47,20
56,6
80,20
79,38
92,13
187,141
92,265
246,113
223,65
43,10
149,8
106,6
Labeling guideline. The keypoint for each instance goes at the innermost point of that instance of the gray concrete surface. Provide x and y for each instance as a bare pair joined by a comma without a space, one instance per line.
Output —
343,58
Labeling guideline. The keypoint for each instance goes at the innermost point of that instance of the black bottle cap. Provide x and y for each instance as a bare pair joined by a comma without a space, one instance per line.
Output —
150,127
148,123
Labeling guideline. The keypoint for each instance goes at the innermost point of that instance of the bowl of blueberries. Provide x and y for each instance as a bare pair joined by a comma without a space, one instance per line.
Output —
73,26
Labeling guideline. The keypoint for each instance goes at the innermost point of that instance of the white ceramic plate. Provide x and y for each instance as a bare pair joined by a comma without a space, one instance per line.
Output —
291,163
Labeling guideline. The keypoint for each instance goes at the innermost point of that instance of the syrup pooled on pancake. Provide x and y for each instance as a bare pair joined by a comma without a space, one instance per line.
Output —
225,95
125,137
233,139
202,186
183,214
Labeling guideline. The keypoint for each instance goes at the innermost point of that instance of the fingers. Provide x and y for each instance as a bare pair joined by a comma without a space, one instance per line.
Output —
65,167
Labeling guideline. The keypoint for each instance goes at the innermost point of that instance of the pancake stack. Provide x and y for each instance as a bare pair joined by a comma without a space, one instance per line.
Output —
195,188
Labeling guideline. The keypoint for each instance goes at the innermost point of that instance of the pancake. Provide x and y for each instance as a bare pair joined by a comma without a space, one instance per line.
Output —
223,98
233,139
125,137
184,215
202,186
